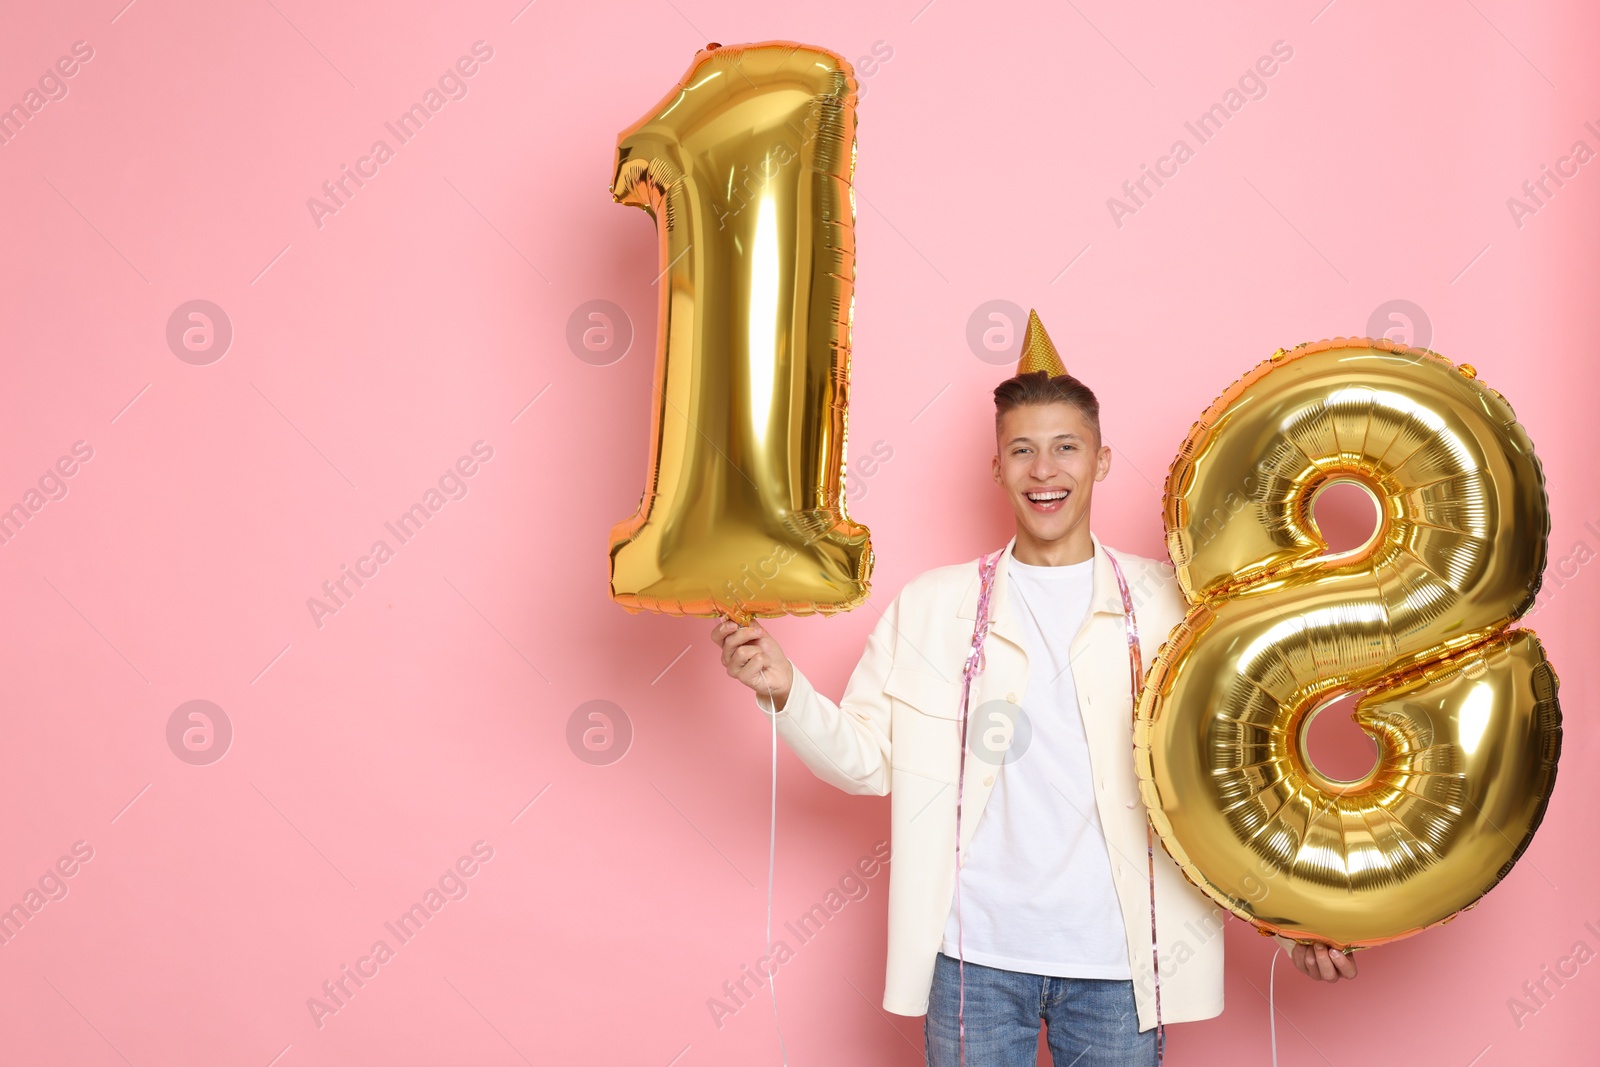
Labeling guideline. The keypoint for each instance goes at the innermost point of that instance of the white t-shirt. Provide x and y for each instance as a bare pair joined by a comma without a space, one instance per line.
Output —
1036,889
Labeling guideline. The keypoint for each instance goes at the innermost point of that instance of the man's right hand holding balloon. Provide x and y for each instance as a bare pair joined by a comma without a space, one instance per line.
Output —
753,657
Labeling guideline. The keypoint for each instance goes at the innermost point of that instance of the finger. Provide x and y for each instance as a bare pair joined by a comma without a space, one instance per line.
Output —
742,634
1297,955
735,641
1325,965
758,677
750,663
1345,962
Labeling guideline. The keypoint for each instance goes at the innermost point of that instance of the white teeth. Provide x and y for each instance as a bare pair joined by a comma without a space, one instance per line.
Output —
1054,494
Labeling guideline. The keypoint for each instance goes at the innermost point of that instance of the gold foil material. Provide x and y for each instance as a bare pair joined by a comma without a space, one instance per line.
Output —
746,167
1462,705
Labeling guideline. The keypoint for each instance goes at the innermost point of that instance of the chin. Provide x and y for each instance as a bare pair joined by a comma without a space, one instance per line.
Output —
1047,527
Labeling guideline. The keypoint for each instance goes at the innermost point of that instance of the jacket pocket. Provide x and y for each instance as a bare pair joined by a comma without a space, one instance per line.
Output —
925,729
925,691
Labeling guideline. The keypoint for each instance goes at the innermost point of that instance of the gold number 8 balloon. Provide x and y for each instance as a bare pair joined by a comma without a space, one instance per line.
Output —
1418,620
746,166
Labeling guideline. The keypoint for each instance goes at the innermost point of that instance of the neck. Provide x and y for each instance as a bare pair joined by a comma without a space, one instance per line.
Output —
1073,547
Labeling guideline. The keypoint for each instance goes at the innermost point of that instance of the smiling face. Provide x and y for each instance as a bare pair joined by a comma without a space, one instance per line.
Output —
1049,458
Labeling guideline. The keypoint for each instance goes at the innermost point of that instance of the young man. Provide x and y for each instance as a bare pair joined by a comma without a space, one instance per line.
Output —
1054,913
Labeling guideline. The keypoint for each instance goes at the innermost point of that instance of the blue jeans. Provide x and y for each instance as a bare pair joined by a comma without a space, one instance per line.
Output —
1090,1022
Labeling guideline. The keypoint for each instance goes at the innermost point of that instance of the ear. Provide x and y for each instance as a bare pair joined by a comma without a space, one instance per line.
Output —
994,468
1102,463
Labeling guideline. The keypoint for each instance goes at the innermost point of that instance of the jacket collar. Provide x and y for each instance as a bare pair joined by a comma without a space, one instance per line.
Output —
1104,596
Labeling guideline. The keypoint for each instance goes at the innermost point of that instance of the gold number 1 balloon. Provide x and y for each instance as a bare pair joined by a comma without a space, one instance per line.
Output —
1461,704
746,167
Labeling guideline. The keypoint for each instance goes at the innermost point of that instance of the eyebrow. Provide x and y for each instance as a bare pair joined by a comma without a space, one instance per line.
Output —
1057,437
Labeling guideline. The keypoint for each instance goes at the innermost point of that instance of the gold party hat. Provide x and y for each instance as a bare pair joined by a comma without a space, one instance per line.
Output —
1037,351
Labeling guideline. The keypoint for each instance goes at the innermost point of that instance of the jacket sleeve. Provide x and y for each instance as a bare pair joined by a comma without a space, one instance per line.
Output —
846,744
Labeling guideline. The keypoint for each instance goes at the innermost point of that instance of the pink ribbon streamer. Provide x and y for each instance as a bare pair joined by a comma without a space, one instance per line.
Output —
974,667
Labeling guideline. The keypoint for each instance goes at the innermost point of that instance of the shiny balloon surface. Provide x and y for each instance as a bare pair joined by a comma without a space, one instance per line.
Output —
746,166
1418,620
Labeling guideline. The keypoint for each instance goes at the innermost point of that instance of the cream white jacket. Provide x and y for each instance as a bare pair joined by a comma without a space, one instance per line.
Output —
897,731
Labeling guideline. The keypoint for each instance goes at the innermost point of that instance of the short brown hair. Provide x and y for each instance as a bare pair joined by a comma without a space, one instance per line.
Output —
1041,387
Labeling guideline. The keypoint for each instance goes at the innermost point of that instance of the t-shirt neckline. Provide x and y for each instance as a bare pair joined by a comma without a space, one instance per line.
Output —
1067,572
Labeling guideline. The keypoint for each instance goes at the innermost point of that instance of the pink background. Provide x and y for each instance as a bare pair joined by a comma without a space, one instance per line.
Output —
368,354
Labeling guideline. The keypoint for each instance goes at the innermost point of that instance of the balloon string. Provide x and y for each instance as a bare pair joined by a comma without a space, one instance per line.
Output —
1272,1010
772,856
